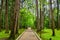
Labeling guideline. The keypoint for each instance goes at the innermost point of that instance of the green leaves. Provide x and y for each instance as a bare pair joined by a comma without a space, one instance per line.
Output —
26,17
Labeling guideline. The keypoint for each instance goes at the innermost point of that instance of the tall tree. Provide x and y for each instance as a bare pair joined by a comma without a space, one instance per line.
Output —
6,16
41,14
14,18
12,36
37,18
57,14
18,8
16,11
1,6
49,17
52,19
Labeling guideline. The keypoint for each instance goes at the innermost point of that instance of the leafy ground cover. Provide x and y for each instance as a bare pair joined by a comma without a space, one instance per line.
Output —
47,34
4,35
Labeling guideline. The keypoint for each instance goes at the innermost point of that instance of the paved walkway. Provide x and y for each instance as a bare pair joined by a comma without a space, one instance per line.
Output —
28,35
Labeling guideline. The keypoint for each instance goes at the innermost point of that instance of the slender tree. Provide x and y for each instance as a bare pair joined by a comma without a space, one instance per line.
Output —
37,19
12,36
6,16
14,18
18,8
57,14
1,6
52,19
16,11
42,19
41,15
49,15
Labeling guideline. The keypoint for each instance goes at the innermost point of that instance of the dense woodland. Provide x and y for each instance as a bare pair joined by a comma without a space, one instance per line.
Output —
40,15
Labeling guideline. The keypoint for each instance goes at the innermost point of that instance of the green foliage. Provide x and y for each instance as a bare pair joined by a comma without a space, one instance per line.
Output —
26,18
20,31
47,34
3,34
46,22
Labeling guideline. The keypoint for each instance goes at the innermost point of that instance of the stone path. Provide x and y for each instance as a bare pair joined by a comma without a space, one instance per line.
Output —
28,35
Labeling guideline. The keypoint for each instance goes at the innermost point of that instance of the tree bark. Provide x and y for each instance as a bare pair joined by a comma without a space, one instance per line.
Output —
41,15
1,14
18,8
16,15
37,19
58,15
52,19
6,17
12,36
14,28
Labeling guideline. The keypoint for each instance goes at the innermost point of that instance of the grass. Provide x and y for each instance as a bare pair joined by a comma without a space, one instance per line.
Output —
47,34
21,30
3,34
6,35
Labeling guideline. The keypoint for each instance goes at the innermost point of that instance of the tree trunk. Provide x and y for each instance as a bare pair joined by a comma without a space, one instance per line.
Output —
14,28
49,21
6,16
12,36
1,14
18,8
42,20
37,19
16,15
41,16
58,15
52,19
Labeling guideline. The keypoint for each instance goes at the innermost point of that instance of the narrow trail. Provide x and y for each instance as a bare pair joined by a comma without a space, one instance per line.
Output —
28,35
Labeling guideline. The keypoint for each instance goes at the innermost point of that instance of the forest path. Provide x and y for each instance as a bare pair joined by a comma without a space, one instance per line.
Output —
28,35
